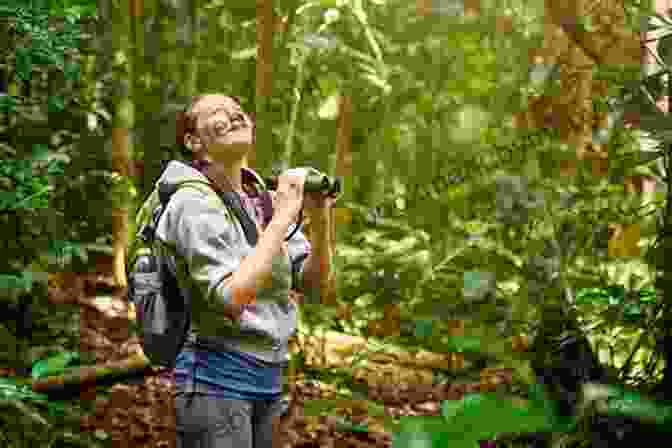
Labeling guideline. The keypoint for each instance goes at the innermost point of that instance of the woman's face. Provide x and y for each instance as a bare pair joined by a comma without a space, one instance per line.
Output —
222,126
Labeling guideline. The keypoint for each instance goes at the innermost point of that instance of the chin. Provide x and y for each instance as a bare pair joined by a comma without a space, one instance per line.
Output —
241,137
232,149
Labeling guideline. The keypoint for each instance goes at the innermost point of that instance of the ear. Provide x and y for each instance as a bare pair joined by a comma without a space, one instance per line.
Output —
192,143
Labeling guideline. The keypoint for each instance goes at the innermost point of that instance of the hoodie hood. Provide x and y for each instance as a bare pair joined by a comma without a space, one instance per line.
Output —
175,174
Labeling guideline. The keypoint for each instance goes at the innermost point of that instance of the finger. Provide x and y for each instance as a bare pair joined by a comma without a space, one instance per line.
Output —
293,182
299,187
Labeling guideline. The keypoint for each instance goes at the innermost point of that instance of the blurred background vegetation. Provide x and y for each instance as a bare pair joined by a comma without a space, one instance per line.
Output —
473,148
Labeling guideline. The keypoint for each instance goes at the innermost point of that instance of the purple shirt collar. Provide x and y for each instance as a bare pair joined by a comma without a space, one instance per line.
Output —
250,178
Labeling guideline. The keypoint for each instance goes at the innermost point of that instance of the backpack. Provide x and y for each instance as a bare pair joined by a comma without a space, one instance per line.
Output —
163,313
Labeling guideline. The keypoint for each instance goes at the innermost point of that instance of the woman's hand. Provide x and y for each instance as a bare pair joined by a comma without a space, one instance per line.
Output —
288,197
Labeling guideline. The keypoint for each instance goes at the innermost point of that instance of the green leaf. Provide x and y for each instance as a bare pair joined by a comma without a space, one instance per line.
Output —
424,432
24,64
503,415
640,158
7,104
423,328
56,167
22,283
56,104
592,296
247,53
345,425
450,409
631,404
632,312
469,344
54,365
648,295
40,151
7,200
329,108
71,72
478,284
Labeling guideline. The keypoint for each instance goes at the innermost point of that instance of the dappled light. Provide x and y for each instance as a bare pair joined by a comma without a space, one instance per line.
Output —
483,260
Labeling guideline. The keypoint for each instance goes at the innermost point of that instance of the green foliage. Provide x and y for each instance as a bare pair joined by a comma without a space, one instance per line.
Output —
40,133
462,423
44,46
29,191
73,9
633,307
54,365
16,284
47,421
444,191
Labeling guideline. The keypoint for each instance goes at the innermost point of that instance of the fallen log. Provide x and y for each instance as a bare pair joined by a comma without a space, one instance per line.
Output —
85,377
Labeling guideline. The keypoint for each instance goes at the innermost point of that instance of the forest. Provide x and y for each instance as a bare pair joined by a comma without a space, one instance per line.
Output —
497,250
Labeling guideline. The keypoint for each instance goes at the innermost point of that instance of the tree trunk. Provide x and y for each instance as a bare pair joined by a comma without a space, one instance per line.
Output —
122,123
343,169
121,160
261,160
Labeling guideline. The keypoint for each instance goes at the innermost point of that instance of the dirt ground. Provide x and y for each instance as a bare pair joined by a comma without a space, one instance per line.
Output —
141,413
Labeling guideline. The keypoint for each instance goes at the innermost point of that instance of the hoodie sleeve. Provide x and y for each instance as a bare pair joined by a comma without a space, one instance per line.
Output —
202,232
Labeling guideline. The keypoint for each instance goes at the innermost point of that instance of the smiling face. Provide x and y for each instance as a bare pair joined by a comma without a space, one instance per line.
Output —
222,131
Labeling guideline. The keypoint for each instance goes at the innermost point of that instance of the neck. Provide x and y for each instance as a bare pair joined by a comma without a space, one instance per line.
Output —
227,174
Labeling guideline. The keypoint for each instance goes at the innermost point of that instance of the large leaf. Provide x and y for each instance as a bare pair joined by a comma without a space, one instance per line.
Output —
424,432
54,365
619,401
478,417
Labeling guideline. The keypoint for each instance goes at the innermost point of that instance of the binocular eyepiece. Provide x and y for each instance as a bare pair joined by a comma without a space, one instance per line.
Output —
315,182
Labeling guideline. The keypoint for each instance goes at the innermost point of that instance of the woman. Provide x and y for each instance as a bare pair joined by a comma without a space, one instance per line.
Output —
228,378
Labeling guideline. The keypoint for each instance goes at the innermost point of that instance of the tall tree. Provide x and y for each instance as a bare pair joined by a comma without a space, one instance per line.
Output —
264,85
122,122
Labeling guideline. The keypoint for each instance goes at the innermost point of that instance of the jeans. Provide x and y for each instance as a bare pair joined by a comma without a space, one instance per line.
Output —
210,422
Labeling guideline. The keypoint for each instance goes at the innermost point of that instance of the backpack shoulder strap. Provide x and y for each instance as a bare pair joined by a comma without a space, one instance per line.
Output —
252,179
231,200
165,193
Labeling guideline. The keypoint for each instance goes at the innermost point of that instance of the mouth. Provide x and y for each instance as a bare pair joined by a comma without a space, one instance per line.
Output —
237,137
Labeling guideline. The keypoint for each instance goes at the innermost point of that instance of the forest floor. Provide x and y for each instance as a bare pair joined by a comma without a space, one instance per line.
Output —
140,413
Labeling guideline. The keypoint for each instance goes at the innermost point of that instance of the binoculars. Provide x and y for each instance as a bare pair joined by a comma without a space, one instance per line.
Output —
315,182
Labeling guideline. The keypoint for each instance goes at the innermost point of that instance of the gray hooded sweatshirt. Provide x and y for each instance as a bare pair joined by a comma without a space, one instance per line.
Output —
204,244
